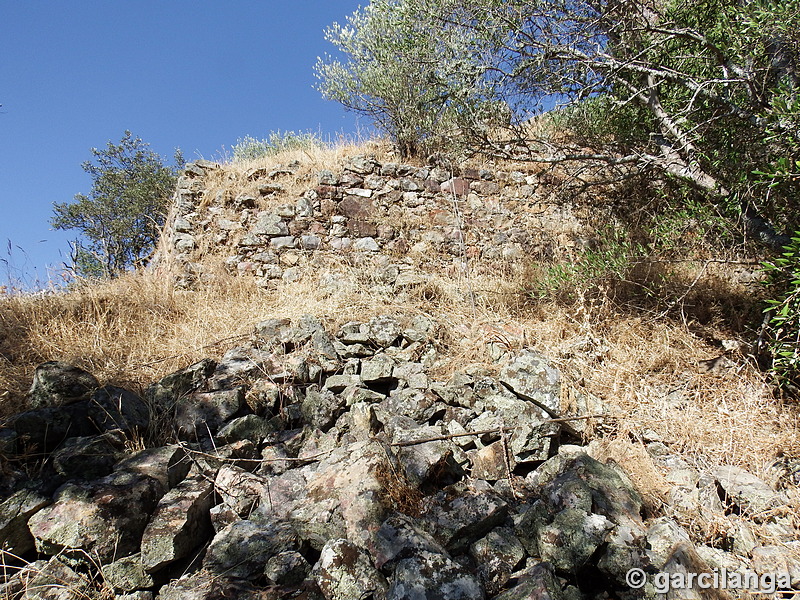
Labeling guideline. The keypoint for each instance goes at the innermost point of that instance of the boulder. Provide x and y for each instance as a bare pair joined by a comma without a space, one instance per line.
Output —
113,407
203,413
241,550
532,378
15,537
180,523
287,568
344,572
104,518
57,383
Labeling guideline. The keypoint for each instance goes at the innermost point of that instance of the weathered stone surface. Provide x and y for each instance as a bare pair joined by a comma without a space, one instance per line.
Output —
384,330
47,580
117,408
248,427
242,549
287,568
571,538
203,413
180,523
420,462
105,518
88,457
56,383
537,583
321,408
171,388
43,429
167,464
270,224
497,555
204,585
489,462
746,493
434,576
15,537
533,379
460,514
127,574
344,572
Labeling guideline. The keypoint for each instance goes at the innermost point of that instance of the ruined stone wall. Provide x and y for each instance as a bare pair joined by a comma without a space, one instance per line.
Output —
419,215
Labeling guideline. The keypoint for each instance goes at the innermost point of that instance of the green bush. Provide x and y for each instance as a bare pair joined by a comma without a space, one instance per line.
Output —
783,278
600,271
249,148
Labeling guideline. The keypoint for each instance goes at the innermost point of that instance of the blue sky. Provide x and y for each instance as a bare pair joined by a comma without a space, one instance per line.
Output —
191,74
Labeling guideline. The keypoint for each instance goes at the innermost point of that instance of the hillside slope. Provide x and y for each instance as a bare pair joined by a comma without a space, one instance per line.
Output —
290,283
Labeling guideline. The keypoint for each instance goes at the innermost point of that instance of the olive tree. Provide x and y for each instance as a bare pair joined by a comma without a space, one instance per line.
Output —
418,86
121,217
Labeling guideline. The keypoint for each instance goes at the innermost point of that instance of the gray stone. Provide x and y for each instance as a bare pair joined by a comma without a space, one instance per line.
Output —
366,244
746,493
105,518
532,378
184,242
43,429
117,408
282,242
572,538
242,549
203,413
461,514
377,370
15,537
422,461
57,383
320,409
248,427
179,525
497,555
88,457
537,583
361,165
384,330
51,580
310,242
287,568
204,585
169,465
777,560
432,576
127,574
271,225
343,572
171,388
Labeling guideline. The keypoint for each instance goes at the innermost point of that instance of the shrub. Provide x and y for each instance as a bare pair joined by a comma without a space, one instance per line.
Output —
783,310
249,148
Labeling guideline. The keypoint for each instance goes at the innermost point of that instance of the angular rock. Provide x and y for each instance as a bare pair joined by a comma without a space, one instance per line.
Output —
571,539
537,583
105,518
320,409
745,493
497,555
167,464
377,370
422,461
459,515
344,572
117,408
242,549
433,576
248,427
533,379
48,580
57,383
384,330
88,457
205,412
43,429
179,525
127,574
15,537
271,225
287,568
171,388
203,585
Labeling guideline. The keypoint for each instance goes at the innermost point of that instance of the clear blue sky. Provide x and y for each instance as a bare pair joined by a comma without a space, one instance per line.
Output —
191,74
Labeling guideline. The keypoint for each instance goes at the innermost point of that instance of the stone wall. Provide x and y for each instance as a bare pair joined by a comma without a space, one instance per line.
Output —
423,215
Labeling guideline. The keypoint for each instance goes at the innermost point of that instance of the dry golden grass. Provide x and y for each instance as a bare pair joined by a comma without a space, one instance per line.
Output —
645,364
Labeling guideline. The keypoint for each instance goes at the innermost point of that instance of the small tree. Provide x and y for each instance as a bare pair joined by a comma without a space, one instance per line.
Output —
416,85
122,216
